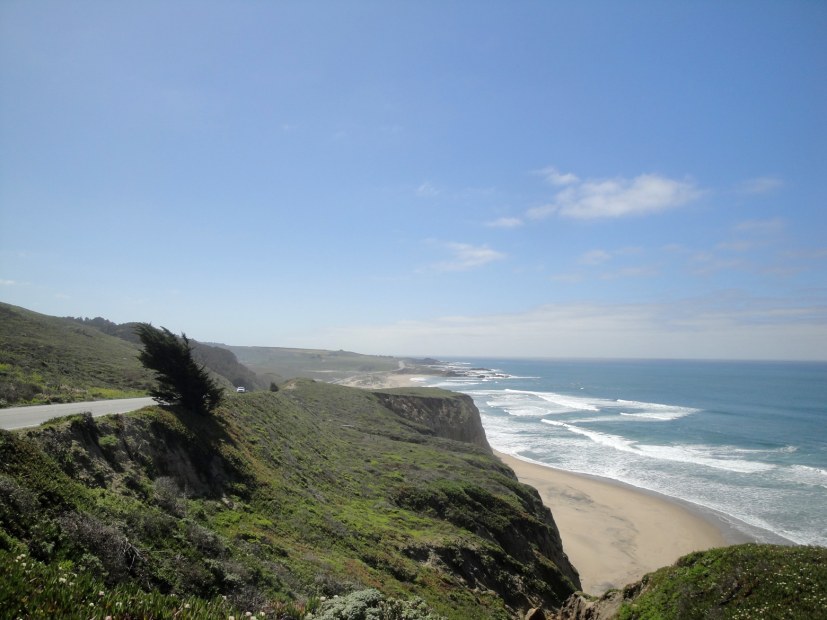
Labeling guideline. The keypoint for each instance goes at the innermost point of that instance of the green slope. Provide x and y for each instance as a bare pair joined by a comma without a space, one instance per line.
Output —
48,359
284,363
316,490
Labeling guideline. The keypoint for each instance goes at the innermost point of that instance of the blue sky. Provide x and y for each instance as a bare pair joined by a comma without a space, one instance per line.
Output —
590,179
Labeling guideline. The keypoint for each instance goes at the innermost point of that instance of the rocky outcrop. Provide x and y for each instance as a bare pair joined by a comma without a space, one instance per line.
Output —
447,414
580,607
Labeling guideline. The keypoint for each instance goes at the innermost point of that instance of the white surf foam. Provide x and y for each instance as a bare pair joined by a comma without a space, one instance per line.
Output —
707,456
655,411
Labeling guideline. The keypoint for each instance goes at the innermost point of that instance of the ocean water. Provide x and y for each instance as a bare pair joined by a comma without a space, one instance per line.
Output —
744,440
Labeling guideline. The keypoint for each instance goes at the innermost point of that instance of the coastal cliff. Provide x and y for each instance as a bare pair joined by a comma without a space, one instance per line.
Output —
316,490
448,414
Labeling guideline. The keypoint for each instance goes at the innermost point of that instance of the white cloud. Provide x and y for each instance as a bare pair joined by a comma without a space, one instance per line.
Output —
467,256
719,327
505,222
759,185
8,283
639,271
555,177
763,227
595,257
618,197
737,246
427,190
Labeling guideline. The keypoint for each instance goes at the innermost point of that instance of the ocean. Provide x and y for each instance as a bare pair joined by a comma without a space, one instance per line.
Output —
745,441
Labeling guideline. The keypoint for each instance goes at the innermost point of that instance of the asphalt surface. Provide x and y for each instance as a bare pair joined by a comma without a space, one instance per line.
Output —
22,417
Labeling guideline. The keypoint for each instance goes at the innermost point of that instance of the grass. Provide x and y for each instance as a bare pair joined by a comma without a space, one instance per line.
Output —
47,359
283,497
311,363
746,582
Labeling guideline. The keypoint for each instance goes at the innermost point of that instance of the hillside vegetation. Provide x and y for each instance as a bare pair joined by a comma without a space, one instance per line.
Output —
281,363
313,491
45,359
742,582
48,359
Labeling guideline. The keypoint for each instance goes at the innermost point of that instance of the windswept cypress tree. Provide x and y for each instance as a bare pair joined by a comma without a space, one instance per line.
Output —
181,381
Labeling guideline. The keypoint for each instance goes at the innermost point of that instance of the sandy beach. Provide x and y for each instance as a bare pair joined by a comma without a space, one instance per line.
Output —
613,533
382,380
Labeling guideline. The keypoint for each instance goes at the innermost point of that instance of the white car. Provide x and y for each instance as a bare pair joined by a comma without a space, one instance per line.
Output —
241,389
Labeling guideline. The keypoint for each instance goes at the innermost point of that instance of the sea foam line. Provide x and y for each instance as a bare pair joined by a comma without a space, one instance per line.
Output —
696,455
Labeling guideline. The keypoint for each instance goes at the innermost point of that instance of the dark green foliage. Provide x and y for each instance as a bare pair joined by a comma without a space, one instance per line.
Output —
372,605
181,381
274,387
29,589
741,582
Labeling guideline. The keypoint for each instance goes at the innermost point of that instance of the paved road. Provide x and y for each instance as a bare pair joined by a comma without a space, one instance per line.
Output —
21,417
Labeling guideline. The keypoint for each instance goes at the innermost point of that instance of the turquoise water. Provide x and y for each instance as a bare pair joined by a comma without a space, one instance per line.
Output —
747,440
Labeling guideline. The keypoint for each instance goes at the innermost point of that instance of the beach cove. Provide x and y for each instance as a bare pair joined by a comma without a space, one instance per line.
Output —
613,533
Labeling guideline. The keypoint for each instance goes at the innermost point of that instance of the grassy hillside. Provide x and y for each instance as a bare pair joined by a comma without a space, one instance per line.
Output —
314,491
45,359
282,363
48,359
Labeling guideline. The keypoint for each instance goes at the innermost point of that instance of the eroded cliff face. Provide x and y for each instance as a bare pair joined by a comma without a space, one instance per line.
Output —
450,415
528,537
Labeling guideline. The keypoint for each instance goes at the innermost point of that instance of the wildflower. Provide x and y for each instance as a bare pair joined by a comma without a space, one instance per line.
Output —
186,605
249,614
231,618
100,593
61,579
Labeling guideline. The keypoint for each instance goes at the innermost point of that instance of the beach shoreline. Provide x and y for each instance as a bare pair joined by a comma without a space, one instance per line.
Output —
615,533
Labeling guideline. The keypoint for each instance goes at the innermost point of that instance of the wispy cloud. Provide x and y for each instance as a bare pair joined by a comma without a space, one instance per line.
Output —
555,177
8,283
759,185
617,197
427,190
768,226
638,271
467,256
595,257
721,326
505,222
